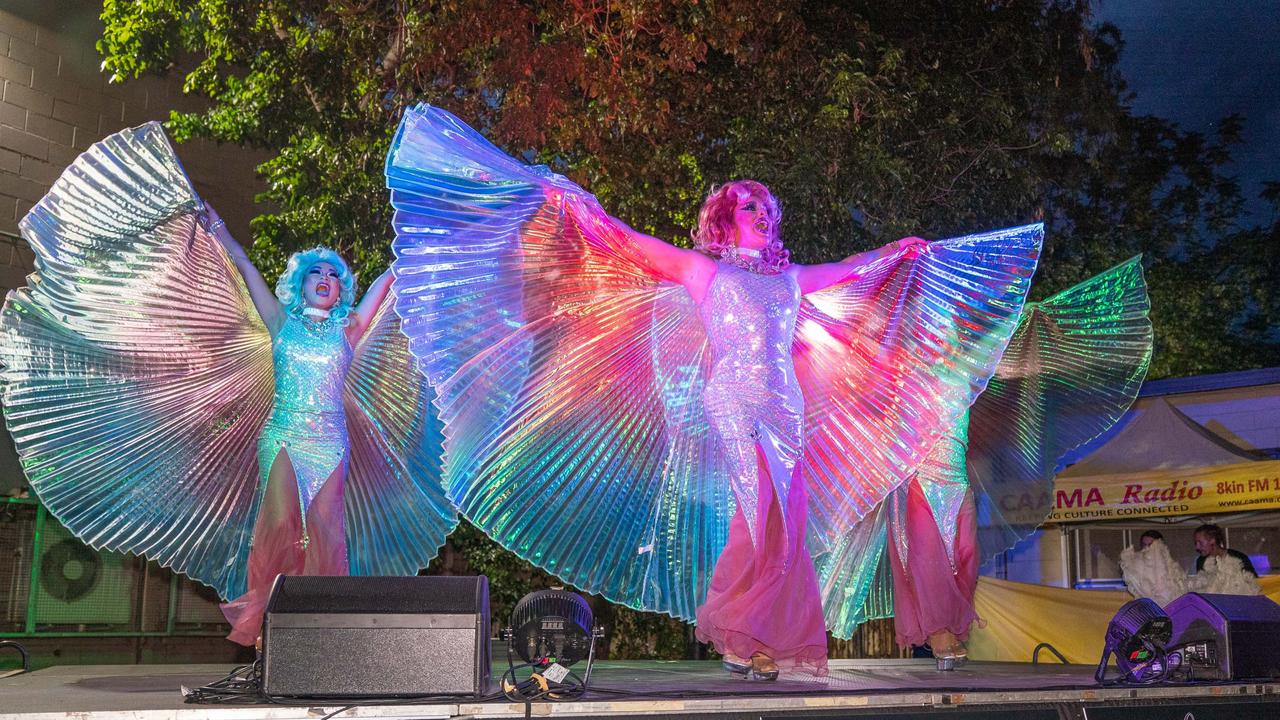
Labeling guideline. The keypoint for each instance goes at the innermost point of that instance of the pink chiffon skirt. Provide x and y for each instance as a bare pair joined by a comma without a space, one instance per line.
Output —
929,593
764,598
279,547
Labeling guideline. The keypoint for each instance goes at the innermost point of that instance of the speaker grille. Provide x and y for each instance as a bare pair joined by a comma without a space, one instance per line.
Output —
370,663
397,595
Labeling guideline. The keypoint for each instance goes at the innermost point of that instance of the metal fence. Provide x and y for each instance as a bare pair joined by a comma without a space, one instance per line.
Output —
53,585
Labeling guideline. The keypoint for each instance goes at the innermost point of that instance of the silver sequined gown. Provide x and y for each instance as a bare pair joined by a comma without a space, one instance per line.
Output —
307,418
764,594
752,393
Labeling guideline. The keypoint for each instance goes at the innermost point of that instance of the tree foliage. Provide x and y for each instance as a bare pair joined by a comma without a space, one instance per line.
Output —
869,120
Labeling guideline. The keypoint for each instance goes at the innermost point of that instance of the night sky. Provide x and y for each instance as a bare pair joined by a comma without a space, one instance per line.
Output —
1196,61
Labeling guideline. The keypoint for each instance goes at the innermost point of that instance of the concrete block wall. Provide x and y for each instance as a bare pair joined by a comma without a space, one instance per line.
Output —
55,103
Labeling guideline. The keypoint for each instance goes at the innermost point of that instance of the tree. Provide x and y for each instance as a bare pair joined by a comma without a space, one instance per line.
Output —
870,120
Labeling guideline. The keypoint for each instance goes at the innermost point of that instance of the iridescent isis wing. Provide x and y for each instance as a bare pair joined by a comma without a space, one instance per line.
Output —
397,515
1073,368
569,377
888,361
137,374
854,577
580,473
857,589
485,244
891,358
944,483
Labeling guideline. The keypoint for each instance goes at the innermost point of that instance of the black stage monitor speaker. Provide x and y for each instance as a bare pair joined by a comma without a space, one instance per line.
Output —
366,637
1227,637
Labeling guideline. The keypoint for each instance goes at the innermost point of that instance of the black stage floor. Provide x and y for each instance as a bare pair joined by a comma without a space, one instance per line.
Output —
855,688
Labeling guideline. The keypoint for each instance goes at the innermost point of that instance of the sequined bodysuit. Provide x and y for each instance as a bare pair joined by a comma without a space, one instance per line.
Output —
752,394
307,419
763,596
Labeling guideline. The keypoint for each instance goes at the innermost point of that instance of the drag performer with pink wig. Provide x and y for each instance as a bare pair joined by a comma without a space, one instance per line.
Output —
164,402
686,431
763,600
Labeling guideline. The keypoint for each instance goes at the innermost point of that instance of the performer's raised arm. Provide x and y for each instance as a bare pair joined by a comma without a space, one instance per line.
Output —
690,268
264,299
373,297
813,278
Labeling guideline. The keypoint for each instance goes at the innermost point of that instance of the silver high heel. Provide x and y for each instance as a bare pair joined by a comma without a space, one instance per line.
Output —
736,665
952,657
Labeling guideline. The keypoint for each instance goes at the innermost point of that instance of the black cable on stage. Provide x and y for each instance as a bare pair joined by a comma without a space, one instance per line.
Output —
22,652
243,686
539,687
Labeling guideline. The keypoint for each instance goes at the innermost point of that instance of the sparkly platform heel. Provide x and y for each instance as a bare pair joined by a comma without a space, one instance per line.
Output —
735,665
948,651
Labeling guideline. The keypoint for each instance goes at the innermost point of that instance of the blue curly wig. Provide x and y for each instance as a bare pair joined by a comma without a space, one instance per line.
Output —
289,286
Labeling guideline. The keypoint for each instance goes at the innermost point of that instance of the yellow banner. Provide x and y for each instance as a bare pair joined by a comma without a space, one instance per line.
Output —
1020,616
1192,491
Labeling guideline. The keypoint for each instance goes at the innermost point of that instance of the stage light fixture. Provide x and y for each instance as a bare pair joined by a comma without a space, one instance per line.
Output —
1137,635
551,630
551,626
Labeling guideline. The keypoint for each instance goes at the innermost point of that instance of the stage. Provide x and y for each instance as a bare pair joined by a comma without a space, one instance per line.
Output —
854,688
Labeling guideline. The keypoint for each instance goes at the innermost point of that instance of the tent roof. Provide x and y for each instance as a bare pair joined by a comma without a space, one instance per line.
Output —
1158,436
1217,381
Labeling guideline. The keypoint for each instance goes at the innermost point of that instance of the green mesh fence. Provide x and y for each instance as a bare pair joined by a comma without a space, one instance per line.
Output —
53,584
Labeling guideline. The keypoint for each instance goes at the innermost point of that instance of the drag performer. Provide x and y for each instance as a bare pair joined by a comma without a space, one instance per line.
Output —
302,452
1073,367
763,600
680,430
164,402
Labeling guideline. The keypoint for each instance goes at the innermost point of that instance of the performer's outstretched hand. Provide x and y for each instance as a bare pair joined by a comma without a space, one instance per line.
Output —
913,245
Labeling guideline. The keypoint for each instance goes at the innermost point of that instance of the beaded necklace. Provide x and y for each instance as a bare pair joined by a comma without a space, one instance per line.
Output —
316,319
748,259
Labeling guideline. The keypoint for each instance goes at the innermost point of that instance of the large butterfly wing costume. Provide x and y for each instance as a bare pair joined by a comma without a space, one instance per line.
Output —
570,377
1073,367
138,376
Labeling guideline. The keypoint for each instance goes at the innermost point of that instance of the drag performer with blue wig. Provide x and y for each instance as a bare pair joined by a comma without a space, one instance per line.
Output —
302,452
165,402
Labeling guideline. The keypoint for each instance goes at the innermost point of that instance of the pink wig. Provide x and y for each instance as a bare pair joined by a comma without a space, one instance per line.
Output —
715,232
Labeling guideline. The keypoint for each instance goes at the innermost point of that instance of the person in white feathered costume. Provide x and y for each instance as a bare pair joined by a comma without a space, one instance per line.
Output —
1152,572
